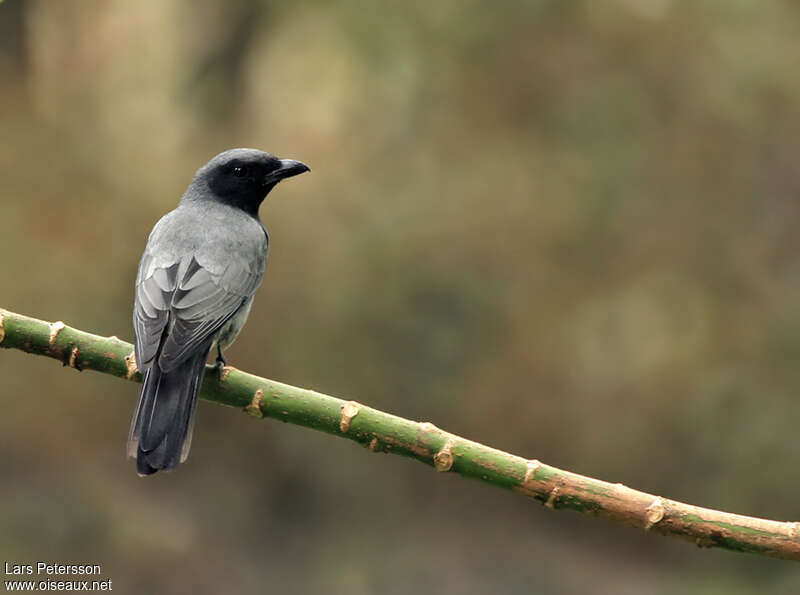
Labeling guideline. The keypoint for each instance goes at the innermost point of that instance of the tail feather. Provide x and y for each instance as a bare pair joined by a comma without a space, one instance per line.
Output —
161,431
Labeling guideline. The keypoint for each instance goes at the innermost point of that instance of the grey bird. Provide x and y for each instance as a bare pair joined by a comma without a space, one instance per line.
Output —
197,277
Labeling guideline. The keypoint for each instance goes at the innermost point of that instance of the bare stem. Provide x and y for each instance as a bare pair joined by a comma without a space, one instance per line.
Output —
383,432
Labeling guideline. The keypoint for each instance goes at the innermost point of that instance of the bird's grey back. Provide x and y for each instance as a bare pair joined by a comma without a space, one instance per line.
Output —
214,232
202,262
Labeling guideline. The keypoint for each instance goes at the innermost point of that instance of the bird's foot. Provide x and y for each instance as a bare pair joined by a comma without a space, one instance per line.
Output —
221,362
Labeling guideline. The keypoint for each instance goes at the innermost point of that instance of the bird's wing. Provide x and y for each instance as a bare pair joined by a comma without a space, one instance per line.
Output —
151,307
180,304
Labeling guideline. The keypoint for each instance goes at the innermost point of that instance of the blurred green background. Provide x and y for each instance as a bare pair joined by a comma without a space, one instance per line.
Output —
566,229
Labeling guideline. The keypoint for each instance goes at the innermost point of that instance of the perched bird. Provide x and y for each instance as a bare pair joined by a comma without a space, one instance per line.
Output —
200,269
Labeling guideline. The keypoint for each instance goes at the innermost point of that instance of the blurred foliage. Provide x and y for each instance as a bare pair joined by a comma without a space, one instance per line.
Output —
567,229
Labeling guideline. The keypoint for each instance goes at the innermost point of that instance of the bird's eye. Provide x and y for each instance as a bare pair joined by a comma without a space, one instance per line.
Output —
239,171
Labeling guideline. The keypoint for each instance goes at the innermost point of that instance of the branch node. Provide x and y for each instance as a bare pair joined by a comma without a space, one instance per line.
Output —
130,363
551,499
254,408
704,542
349,411
73,358
55,328
654,513
530,471
2,326
443,460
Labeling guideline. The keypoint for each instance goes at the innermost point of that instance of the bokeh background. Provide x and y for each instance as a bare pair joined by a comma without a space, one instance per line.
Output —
565,229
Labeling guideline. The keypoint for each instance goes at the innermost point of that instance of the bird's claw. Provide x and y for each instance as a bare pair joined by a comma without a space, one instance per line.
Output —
220,364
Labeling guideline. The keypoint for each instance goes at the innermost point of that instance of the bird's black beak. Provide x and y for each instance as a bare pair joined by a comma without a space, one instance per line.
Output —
287,169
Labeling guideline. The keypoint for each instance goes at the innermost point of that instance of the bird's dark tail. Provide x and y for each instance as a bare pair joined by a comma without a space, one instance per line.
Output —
161,430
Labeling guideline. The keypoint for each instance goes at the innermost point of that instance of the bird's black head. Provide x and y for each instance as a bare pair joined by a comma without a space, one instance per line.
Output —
243,177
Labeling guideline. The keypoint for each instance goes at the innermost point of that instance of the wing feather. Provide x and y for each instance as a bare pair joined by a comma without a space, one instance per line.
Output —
179,305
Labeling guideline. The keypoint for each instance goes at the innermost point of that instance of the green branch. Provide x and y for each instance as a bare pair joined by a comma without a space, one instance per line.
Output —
383,432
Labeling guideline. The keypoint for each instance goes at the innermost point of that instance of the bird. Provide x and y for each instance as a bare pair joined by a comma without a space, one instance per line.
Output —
196,280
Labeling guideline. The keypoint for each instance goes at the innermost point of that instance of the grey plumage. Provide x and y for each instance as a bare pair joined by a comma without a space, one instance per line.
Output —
200,269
